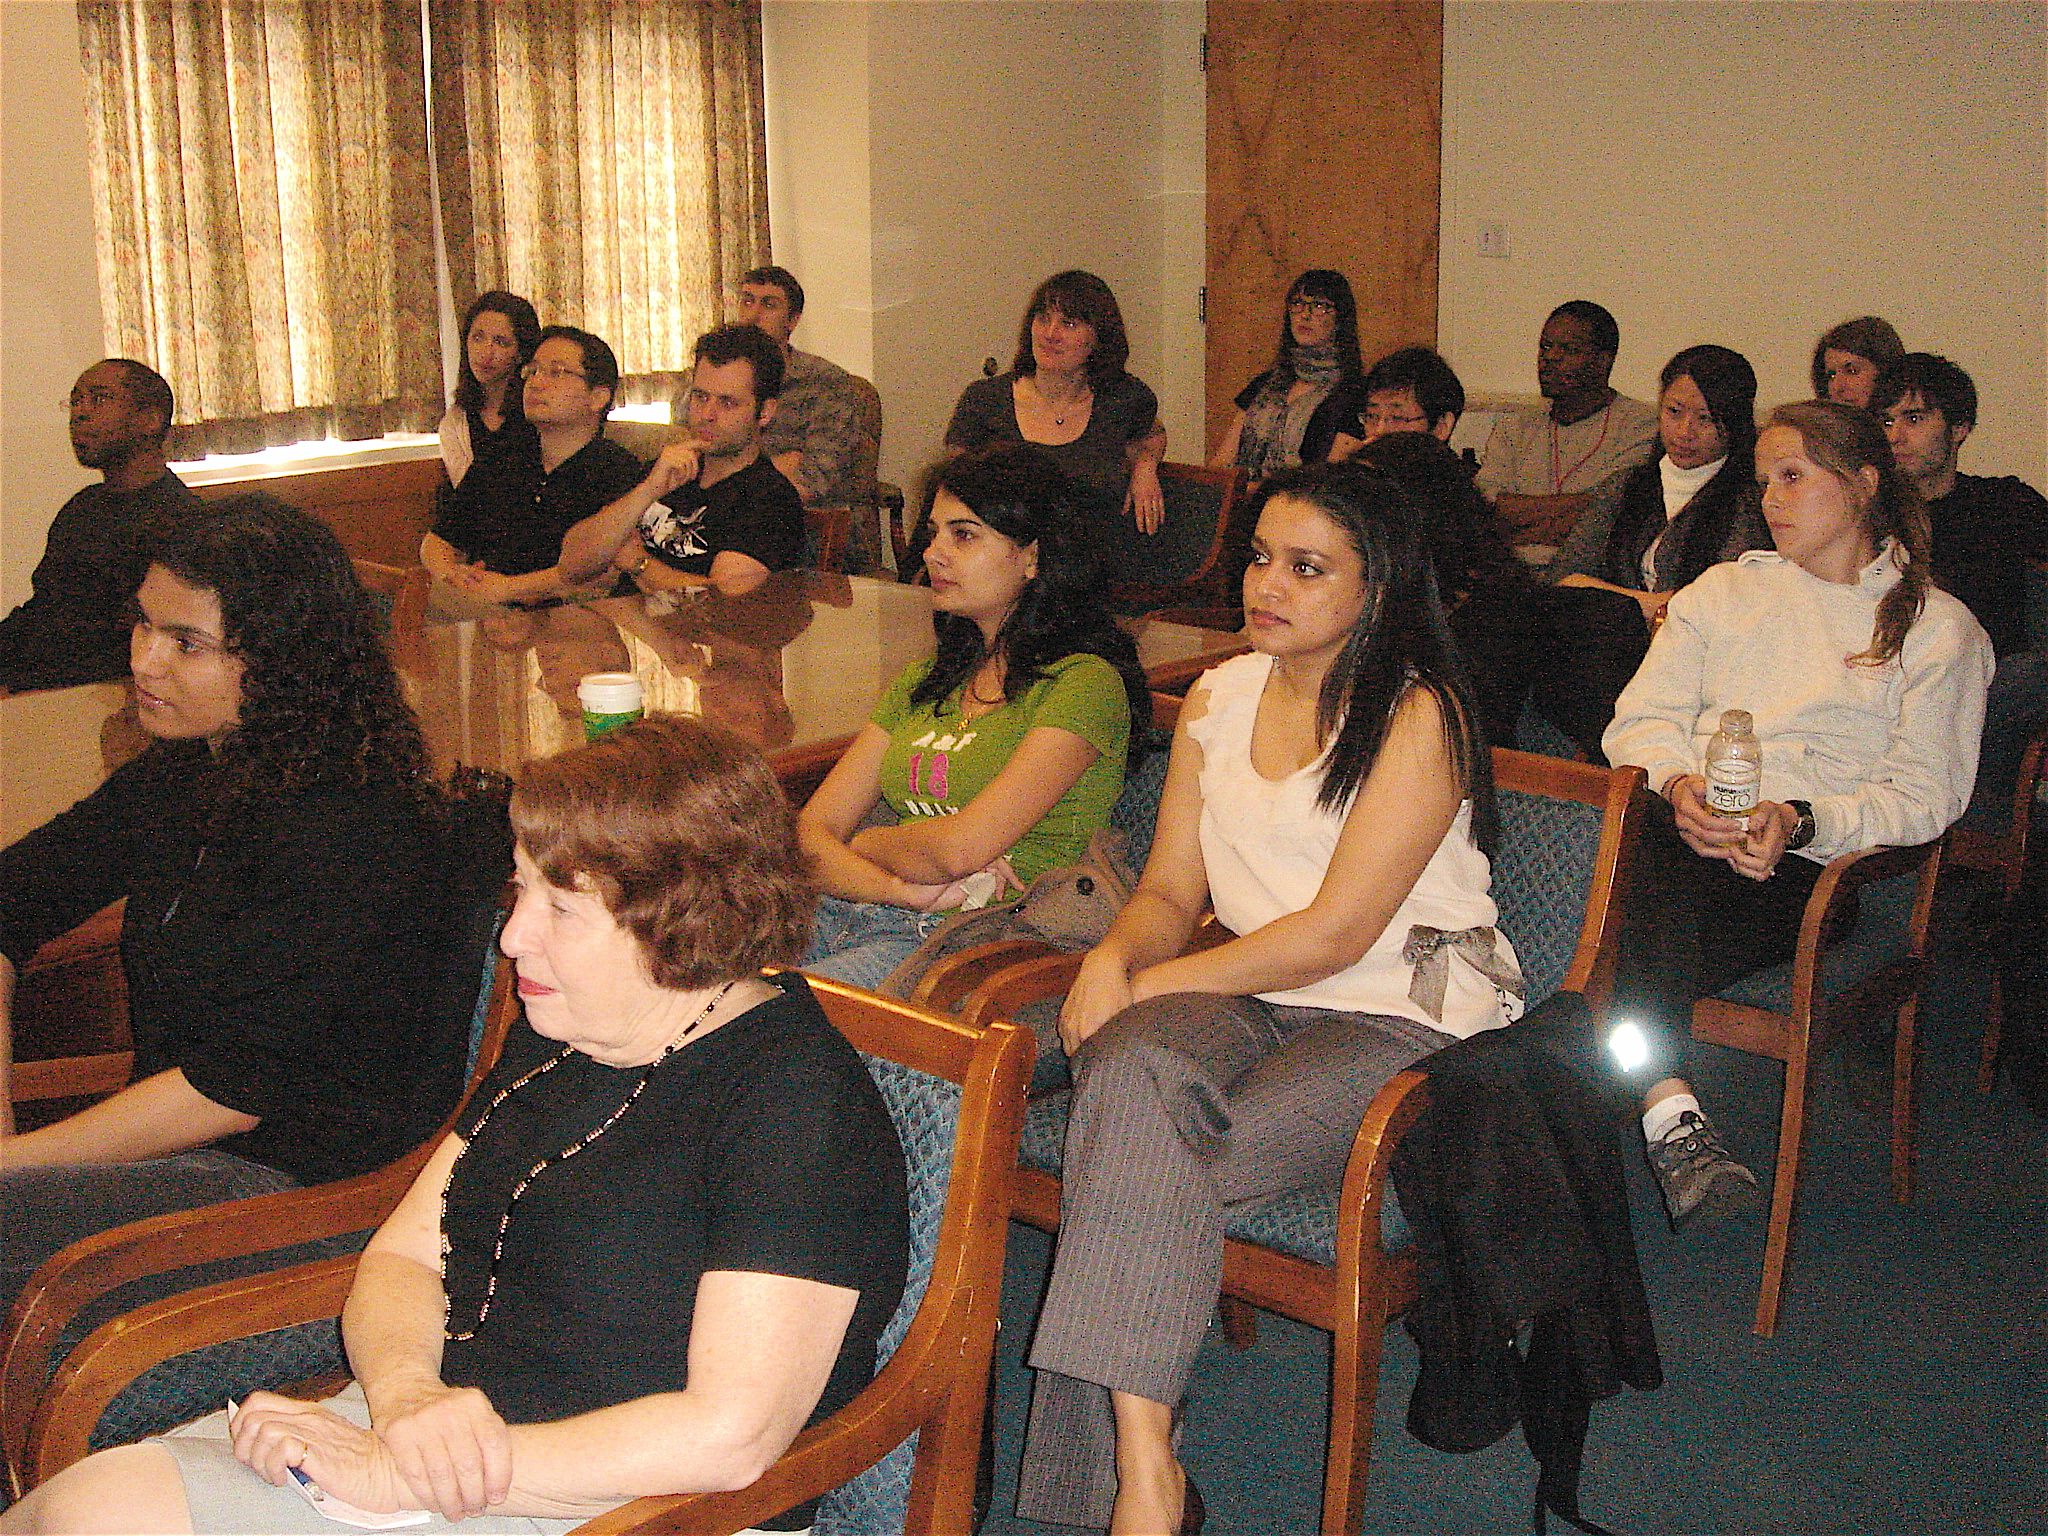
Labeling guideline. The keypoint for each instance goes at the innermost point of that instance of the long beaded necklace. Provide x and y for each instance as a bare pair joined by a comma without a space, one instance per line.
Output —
505,1221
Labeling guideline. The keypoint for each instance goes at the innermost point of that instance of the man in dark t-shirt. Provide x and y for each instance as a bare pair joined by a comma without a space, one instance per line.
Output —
74,627
712,511
497,537
1987,533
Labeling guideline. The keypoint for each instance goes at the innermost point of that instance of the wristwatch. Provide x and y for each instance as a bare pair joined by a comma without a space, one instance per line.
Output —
1802,827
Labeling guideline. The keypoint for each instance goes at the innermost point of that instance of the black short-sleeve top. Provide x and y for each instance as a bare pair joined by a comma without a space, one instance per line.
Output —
1125,409
754,511
763,1146
511,514
1337,413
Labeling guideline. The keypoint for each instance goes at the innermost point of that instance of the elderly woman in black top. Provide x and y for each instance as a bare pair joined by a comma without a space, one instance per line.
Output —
1651,531
1068,392
1291,414
665,1236
280,849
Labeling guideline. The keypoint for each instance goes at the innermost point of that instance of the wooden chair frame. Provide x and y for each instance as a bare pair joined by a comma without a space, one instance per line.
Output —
47,1420
1814,1023
408,587
1367,1288
75,977
935,1383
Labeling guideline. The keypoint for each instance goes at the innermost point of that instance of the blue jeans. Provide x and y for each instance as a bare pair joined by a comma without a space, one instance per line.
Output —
863,941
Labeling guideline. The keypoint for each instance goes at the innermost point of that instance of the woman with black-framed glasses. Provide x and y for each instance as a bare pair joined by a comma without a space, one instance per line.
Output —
1289,414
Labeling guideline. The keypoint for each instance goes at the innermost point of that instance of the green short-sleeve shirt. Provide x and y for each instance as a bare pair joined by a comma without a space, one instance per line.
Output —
936,763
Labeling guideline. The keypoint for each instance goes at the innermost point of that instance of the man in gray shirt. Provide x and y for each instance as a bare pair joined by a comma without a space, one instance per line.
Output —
814,438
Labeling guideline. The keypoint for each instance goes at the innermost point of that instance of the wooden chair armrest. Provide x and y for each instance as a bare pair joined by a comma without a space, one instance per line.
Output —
70,1077
1391,1115
1844,876
1050,975
944,988
75,1277
119,1351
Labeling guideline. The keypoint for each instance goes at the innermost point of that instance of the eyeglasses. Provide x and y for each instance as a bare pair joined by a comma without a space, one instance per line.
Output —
550,371
1392,421
1300,304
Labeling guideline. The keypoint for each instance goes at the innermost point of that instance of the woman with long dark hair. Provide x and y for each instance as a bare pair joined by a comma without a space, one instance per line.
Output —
1291,413
499,334
1331,798
1069,392
999,758
280,848
1865,684
1649,532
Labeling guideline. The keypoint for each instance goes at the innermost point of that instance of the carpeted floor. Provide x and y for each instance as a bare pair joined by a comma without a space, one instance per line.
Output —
1906,1391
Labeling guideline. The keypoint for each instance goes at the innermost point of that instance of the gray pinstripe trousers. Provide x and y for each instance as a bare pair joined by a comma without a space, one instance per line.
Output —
1183,1106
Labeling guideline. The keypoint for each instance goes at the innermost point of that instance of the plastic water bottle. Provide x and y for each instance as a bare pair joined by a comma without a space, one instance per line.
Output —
1734,766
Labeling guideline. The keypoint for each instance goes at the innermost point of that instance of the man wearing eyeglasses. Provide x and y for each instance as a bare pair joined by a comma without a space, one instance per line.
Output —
74,627
497,537
1540,467
1412,390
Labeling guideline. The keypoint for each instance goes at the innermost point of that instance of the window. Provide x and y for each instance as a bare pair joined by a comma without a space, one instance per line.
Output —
267,215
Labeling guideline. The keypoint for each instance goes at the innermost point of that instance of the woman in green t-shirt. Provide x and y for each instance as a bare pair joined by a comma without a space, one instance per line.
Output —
1001,756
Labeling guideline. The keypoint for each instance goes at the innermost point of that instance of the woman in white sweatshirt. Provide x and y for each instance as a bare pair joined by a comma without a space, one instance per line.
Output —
1866,685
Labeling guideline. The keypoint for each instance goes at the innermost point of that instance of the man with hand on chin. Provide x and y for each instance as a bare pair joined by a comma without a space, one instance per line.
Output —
712,511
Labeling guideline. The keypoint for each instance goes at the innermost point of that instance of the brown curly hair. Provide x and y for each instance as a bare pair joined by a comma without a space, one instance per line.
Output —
321,706
683,832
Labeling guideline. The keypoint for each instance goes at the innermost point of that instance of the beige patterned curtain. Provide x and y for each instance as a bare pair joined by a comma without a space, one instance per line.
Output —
607,160
264,216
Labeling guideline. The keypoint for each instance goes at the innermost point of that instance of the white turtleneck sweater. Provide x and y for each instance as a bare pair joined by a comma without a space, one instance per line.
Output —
1886,755
1680,486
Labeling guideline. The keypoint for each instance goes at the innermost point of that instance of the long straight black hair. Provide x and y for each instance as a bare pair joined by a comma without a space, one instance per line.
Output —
1401,641
1021,492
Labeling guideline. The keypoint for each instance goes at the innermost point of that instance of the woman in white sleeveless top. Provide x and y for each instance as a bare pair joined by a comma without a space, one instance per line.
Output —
1331,797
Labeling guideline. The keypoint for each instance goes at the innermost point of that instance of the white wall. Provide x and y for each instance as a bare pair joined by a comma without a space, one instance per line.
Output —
1750,174
987,145
49,288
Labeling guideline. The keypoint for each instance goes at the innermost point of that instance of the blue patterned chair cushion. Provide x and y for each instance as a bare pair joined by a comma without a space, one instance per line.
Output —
1880,937
926,1110
1542,871
1534,732
1136,812
197,1383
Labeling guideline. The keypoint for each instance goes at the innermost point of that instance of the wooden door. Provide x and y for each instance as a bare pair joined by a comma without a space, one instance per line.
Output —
1325,132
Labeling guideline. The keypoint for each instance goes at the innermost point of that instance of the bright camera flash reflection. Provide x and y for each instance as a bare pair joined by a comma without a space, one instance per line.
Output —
1629,1045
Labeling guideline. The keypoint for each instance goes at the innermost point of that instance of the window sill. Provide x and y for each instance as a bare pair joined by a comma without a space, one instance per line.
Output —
331,453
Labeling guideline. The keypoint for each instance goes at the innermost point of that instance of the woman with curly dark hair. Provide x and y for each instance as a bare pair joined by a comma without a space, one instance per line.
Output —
281,851
1000,757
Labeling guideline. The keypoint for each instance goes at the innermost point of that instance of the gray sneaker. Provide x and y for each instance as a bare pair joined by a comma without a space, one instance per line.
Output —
1695,1174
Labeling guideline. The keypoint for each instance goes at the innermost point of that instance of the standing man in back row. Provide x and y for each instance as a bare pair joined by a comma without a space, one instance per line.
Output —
814,437
74,627
1539,465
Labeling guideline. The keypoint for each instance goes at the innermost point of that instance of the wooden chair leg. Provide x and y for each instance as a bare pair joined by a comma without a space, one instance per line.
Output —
1784,1193
1240,1322
1354,1394
1994,1025
1905,1058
